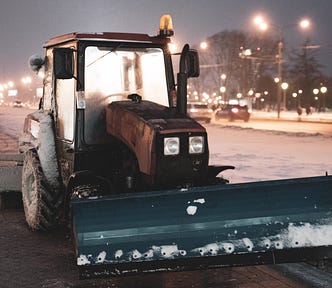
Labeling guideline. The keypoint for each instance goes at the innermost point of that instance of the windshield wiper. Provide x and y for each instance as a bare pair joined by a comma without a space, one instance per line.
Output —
102,56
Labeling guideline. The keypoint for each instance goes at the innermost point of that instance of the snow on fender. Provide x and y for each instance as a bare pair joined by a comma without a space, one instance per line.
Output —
47,151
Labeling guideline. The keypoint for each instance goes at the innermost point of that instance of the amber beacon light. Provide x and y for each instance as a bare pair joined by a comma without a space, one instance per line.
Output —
166,26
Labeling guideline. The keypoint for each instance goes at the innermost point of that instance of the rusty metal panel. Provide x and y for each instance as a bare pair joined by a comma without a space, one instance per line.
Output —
137,124
138,135
105,36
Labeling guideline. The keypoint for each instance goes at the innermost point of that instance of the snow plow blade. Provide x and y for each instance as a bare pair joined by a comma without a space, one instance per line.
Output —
204,227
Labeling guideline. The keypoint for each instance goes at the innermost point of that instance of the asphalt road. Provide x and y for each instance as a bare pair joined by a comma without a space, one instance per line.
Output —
30,259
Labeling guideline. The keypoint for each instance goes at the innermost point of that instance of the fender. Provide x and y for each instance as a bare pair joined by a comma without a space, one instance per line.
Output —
39,133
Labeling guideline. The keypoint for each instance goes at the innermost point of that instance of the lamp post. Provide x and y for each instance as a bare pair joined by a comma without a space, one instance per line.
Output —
263,26
300,91
316,91
279,61
223,86
323,90
294,95
284,87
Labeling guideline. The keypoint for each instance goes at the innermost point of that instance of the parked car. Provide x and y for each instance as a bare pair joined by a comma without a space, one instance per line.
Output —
200,111
233,112
18,104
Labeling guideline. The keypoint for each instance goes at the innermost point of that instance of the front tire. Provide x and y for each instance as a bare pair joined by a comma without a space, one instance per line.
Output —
39,205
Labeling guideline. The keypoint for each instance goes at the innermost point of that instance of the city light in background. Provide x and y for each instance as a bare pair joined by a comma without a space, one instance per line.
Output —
272,96
27,90
218,85
263,25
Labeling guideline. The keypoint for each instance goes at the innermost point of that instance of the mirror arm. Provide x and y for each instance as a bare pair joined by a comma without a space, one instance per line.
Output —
182,80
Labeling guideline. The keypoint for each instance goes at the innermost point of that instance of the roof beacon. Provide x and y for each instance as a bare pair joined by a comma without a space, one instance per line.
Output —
166,26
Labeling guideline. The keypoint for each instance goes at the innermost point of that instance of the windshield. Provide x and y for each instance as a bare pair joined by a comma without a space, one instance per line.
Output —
111,74
119,72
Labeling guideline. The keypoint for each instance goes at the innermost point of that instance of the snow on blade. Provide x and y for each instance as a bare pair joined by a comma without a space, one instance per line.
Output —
248,244
191,210
83,260
308,235
201,201
118,254
101,257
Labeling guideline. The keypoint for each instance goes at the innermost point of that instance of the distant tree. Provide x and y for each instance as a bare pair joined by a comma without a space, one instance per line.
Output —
304,73
227,53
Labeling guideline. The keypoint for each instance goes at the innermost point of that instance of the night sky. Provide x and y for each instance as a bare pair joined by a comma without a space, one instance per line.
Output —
26,25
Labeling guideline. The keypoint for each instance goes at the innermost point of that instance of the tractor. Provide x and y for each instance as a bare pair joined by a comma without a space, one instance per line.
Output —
112,152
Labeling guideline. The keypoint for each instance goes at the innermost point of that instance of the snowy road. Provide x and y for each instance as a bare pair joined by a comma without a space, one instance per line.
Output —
260,149
291,125
268,154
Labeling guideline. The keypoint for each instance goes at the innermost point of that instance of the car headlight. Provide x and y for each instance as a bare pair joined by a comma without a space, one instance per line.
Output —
171,146
196,145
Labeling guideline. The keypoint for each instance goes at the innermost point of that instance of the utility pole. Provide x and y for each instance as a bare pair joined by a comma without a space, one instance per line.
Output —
280,47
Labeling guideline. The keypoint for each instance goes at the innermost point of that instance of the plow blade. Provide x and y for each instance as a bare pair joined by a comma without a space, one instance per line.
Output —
204,227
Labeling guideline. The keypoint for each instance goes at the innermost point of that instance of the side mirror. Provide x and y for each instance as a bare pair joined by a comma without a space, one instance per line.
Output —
189,67
192,63
63,63
36,62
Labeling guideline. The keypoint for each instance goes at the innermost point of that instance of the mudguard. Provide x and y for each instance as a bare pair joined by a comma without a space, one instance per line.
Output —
204,227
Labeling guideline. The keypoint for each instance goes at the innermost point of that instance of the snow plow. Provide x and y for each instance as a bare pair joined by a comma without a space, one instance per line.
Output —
206,227
112,151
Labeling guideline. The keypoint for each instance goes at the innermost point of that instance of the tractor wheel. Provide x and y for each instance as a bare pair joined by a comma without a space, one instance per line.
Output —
37,201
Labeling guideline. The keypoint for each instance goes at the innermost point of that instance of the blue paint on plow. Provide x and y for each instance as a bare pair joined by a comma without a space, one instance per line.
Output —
222,225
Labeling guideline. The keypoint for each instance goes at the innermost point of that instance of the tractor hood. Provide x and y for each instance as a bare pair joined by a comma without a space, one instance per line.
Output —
158,117
140,124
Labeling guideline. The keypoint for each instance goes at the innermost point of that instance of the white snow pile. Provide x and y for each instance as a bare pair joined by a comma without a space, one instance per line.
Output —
192,209
294,236
268,155
308,235
163,251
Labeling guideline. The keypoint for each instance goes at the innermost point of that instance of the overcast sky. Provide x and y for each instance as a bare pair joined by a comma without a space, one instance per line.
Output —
26,24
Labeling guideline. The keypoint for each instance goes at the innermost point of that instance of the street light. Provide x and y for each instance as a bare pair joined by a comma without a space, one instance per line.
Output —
223,86
284,87
316,92
294,95
203,45
222,89
323,90
304,23
263,26
26,80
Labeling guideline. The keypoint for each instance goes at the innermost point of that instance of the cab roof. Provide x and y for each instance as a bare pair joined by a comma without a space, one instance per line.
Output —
106,36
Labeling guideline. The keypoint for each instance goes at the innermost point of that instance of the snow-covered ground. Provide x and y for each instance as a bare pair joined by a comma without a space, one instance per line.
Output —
266,155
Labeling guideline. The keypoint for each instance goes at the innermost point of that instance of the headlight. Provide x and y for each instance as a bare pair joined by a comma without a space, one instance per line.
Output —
171,146
196,145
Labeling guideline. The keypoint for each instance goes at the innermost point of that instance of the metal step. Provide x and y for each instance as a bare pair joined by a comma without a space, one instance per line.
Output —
10,178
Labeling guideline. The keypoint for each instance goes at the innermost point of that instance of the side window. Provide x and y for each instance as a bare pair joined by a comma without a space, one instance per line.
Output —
65,103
